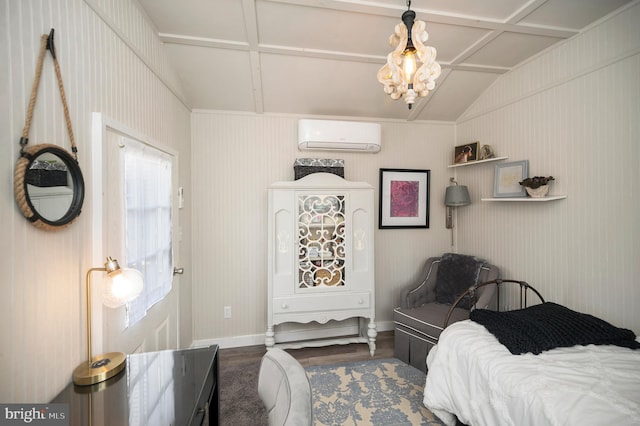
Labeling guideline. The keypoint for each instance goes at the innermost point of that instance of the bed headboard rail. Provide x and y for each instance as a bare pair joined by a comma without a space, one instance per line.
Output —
471,294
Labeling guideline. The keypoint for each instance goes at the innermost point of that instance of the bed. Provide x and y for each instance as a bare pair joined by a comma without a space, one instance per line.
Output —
474,378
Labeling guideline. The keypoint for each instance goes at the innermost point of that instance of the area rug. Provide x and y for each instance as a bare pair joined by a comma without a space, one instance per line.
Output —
240,404
381,392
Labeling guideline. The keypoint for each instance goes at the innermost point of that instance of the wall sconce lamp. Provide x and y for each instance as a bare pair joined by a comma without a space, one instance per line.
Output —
456,196
122,286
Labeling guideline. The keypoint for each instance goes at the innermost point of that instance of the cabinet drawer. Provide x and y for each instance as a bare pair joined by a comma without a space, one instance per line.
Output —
203,410
321,302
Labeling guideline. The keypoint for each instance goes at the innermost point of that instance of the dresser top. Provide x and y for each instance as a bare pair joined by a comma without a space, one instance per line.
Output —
155,388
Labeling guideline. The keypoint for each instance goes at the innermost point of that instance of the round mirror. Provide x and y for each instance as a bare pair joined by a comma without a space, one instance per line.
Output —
49,187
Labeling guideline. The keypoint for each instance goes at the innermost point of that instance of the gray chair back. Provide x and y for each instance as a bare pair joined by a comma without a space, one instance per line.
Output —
284,389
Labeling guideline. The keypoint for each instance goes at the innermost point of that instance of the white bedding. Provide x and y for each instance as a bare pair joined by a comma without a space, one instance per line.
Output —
473,376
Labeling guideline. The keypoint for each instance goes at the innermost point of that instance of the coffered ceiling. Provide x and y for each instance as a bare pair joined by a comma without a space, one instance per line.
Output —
320,57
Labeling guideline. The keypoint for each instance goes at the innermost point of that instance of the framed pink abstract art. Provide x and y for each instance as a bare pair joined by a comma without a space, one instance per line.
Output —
404,198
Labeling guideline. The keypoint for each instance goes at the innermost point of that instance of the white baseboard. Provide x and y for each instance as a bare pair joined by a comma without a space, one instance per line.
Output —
322,332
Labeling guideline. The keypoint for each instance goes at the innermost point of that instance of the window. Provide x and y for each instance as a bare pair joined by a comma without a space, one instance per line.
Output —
147,222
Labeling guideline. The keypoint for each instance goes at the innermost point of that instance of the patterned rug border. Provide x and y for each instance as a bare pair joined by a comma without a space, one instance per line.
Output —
381,392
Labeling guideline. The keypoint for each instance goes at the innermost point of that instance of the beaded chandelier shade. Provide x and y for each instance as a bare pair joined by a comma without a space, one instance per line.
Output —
401,76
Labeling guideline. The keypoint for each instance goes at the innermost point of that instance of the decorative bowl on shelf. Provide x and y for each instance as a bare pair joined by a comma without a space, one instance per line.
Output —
538,192
537,186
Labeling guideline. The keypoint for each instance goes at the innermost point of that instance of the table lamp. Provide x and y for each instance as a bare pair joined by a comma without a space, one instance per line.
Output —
122,286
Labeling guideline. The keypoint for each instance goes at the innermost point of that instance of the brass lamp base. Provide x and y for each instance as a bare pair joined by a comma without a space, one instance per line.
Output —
99,369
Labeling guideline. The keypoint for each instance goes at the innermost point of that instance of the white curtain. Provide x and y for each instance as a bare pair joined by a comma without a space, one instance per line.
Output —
147,202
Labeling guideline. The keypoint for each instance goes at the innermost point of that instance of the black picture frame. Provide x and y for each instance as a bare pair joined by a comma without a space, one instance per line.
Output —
404,198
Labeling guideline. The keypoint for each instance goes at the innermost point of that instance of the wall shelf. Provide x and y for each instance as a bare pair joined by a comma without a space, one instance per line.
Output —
471,163
528,199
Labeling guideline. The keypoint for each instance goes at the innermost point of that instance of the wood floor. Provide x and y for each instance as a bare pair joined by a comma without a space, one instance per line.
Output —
335,354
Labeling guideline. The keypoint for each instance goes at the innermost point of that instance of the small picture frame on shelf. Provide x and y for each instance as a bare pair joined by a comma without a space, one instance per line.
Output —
508,177
466,153
404,198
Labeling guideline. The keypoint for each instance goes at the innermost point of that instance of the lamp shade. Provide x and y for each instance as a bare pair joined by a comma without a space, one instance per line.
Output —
456,196
121,286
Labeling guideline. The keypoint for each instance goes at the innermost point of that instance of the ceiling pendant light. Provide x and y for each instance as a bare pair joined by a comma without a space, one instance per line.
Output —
401,75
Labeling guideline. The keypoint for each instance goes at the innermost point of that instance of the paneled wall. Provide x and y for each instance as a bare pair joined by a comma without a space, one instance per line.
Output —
111,62
235,158
573,112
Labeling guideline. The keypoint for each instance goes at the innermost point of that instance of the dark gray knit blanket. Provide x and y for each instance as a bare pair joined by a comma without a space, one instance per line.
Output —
546,326
456,273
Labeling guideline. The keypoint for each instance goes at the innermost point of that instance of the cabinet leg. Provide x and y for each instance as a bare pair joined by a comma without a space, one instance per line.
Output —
270,337
372,333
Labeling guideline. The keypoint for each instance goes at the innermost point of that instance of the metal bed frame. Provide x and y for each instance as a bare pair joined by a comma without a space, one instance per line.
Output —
471,292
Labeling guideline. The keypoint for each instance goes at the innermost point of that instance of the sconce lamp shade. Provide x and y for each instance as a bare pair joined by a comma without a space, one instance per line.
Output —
121,286
457,196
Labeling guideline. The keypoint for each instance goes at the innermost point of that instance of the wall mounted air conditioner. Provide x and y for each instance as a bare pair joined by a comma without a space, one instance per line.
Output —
329,135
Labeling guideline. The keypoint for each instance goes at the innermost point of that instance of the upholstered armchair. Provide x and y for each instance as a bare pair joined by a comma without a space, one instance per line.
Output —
284,389
424,305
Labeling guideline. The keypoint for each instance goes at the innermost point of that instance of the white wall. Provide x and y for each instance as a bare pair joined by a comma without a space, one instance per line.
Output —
234,159
111,62
574,113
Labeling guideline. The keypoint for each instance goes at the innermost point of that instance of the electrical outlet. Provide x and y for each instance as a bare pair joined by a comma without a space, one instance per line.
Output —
227,311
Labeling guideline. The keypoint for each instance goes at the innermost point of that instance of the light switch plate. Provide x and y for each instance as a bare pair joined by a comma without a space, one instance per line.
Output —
180,197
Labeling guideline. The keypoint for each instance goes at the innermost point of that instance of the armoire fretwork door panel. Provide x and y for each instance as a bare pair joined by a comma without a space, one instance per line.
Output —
321,241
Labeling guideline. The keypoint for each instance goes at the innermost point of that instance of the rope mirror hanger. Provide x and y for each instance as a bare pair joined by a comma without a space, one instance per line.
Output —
48,182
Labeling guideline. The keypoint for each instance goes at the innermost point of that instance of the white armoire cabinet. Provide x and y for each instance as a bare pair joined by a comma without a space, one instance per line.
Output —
320,257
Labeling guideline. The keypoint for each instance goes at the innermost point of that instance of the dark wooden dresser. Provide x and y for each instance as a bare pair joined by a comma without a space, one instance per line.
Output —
156,388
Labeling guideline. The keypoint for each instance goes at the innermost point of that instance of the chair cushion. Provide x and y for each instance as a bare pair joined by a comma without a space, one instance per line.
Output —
456,273
428,319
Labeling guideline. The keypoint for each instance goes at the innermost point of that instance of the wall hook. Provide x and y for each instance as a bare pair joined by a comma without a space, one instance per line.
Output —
50,44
